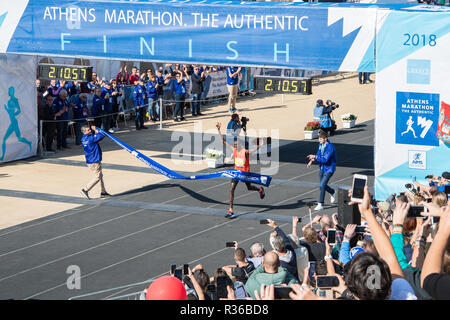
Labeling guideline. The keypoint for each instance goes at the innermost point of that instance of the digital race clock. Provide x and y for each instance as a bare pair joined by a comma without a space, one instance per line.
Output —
282,85
65,72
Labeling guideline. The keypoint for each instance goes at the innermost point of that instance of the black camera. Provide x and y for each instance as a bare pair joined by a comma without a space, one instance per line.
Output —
244,121
408,186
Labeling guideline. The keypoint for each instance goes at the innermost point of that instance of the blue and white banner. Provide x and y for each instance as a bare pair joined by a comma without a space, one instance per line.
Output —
293,35
411,95
230,174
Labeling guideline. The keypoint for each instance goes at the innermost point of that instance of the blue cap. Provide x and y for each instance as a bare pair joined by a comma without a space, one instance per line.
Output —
354,251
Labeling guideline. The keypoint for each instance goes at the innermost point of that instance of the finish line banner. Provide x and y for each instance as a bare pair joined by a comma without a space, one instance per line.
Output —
212,32
230,174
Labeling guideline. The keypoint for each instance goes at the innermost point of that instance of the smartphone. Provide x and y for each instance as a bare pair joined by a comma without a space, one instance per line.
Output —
172,268
311,270
429,200
282,292
178,274
229,245
331,236
359,182
360,229
414,212
264,221
222,282
327,281
185,269
435,220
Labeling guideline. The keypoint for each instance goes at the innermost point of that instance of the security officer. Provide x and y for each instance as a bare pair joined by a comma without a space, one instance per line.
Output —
322,115
106,94
61,108
139,104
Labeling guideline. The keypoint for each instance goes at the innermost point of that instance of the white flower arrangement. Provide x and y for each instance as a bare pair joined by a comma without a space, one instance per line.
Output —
348,117
213,154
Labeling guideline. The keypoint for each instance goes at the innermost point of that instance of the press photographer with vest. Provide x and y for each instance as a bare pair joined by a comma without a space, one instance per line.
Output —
242,163
322,115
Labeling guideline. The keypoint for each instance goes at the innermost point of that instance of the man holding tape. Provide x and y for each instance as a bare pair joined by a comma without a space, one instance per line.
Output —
93,154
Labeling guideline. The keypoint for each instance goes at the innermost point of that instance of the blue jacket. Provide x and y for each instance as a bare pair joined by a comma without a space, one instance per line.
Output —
327,160
321,117
138,95
91,148
98,104
232,80
108,102
180,87
58,105
151,89
80,111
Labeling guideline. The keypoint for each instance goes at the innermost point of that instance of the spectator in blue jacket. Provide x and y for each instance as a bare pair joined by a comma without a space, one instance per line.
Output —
98,106
93,154
180,94
61,109
326,157
80,113
106,94
139,104
152,95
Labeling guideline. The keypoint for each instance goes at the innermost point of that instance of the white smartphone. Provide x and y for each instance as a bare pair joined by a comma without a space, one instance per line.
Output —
359,182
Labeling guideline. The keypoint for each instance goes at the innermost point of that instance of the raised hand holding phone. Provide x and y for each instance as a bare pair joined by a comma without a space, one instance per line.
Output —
359,182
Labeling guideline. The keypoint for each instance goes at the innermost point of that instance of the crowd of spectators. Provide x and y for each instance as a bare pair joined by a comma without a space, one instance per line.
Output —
65,103
392,255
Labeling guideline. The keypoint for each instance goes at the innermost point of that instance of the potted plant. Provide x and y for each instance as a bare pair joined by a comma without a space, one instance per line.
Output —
311,130
214,158
348,120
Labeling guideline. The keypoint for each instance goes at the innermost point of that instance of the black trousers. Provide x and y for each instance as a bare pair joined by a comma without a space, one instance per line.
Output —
48,134
61,134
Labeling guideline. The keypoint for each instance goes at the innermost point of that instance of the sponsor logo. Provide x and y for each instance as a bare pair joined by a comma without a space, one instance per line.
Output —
417,159
418,71
417,118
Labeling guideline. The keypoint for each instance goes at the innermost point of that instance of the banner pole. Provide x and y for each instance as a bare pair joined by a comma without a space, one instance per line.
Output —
160,113
282,98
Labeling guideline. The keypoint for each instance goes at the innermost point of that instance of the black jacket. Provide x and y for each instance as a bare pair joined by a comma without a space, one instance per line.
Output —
197,83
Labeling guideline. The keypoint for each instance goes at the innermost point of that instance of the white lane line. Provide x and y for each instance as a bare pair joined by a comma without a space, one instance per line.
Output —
134,257
91,248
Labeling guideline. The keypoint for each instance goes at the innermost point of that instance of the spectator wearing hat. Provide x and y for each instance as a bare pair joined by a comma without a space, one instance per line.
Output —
326,158
270,272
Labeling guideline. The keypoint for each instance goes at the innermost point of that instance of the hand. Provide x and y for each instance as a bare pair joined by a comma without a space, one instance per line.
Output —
334,218
197,267
271,223
349,231
444,222
273,234
425,228
341,288
235,245
364,206
309,164
311,156
294,221
327,247
218,125
301,293
306,276
316,219
400,213
433,209
267,293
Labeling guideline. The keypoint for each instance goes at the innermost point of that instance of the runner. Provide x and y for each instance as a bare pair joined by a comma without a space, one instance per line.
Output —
242,163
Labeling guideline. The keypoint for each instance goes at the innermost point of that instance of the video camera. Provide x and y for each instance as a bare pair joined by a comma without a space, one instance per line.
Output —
332,104
244,121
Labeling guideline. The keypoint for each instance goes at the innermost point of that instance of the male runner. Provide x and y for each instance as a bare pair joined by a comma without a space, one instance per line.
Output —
242,163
